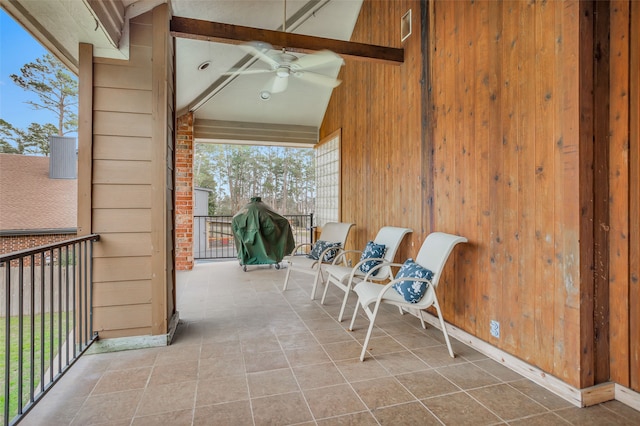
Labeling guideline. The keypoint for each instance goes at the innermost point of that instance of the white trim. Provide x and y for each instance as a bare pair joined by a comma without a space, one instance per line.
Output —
405,26
135,342
628,397
578,397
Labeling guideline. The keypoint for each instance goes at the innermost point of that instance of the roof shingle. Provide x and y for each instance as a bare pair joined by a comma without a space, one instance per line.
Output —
29,200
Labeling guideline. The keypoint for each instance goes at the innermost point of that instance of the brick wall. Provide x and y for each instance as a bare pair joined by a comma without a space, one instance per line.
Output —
10,244
184,193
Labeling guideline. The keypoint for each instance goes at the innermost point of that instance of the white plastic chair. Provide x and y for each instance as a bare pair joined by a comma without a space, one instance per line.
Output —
345,277
335,232
433,255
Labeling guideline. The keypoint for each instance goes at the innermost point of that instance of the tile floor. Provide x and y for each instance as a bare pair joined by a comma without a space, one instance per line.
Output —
246,353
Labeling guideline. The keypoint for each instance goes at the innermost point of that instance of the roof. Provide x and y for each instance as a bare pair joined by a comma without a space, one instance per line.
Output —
30,200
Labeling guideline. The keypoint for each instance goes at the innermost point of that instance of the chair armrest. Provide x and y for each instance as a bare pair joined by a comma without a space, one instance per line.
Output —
342,254
356,268
380,265
327,250
298,247
397,280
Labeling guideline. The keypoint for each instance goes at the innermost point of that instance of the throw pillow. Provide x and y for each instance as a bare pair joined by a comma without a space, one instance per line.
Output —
412,291
321,246
372,251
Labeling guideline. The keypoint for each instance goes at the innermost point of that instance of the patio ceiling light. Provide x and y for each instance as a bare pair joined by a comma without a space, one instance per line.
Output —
265,95
203,66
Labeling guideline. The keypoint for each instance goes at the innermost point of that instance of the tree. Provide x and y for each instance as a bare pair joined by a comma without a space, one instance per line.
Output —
7,148
56,88
35,140
203,174
9,134
283,177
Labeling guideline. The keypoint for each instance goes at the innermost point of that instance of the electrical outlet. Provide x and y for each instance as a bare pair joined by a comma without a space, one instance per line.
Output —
494,329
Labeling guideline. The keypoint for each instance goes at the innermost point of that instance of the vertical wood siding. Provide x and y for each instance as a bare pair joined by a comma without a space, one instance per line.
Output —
520,58
381,131
493,129
634,195
618,192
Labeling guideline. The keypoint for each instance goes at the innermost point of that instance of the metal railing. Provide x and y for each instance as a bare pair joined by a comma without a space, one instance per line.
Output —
46,299
213,236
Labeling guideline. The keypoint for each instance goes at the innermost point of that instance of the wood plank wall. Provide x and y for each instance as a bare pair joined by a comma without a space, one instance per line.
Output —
634,195
132,183
381,131
600,119
488,134
507,171
624,178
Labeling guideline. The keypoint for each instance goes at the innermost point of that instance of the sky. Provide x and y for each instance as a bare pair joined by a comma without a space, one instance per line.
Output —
18,47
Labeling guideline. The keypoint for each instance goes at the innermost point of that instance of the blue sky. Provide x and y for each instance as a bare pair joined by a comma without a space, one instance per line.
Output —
18,47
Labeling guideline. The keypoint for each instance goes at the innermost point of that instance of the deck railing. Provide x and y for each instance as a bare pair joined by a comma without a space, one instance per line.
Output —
46,298
213,236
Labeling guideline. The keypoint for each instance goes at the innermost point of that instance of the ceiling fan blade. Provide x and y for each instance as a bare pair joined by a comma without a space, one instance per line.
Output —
314,77
278,84
317,59
259,49
244,72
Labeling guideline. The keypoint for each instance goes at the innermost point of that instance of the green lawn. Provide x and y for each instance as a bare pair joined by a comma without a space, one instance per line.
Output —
42,350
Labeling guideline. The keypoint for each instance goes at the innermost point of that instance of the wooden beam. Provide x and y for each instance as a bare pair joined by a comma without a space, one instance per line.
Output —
235,34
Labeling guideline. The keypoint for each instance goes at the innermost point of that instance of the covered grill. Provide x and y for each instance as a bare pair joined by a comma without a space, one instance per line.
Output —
262,236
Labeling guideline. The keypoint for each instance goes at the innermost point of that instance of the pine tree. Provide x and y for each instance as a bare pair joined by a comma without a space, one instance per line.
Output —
56,88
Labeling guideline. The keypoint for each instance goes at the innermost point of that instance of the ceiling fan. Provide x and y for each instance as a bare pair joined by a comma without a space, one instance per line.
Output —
284,65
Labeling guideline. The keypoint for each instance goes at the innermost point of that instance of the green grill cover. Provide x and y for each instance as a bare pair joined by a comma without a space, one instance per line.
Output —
262,236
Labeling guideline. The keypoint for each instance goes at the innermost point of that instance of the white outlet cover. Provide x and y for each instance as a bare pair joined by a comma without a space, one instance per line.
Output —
494,328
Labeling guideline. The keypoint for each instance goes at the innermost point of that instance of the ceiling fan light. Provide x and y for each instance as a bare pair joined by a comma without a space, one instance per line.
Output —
282,72
265,95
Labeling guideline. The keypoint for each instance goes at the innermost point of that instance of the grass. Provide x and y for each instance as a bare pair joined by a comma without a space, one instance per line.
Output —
41,351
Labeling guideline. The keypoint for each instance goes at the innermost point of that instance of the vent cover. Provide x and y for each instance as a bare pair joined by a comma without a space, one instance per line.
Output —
62,157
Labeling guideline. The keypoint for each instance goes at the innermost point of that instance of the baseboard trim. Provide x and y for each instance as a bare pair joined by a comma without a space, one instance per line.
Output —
578,397
628,397
135,342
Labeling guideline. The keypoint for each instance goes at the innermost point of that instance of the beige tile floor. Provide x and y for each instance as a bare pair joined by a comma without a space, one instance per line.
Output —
246,353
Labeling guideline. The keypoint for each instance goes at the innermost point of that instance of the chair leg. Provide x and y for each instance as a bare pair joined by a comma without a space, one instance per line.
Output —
353,317
286,278
366,339
344,303
326,288
420,312
401,310
315,282
442,324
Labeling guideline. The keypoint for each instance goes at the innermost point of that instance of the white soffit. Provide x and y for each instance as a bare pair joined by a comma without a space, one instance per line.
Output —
60,25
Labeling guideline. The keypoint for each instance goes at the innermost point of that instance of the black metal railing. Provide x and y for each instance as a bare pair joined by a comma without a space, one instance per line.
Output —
46,298
213,236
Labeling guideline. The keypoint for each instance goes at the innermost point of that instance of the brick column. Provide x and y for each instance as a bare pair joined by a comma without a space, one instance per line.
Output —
184,193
